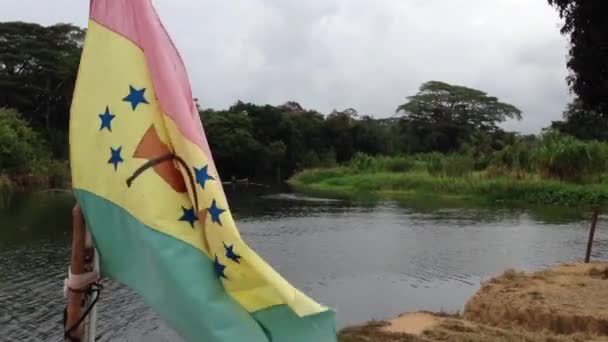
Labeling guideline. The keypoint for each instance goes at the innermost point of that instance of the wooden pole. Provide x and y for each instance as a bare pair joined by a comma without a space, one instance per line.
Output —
596,212
77,266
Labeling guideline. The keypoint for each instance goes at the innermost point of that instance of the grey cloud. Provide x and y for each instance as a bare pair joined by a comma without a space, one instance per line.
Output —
366,54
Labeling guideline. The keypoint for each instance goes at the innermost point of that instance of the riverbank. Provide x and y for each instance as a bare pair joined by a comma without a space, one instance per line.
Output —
477,187
564,303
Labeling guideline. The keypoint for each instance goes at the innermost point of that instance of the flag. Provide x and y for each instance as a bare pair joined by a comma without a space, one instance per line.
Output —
145,179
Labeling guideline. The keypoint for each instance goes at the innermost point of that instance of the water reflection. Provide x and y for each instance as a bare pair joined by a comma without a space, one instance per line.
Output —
367,260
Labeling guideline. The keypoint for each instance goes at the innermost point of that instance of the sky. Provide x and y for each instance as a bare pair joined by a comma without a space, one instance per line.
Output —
365,54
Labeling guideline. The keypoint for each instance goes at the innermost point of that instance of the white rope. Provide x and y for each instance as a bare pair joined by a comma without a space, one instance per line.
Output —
78,282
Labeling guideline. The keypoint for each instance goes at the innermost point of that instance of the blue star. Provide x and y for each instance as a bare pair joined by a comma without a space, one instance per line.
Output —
215,213
230,254
106,119
115,159
136,96
202,175
219,268
189,216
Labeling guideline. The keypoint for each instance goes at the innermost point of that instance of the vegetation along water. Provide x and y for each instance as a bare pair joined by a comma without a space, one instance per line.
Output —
442,124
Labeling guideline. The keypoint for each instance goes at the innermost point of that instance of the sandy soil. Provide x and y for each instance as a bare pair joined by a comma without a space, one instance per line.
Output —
564,300
565,303
412,323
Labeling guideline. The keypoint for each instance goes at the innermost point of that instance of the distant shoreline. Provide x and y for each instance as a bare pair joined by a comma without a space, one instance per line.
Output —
477,188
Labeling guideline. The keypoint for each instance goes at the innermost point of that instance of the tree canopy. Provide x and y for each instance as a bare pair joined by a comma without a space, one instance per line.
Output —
582,123
585,23
38,67
442,116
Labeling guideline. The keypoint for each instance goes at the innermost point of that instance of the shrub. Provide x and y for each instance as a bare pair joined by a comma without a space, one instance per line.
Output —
396,164
566,158
434,163
516,156
328,158
20,147
6,188
310,159
458,165
52,173
450,165
364,162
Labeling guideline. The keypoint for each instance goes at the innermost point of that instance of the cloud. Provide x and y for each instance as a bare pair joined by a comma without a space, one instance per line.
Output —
366,54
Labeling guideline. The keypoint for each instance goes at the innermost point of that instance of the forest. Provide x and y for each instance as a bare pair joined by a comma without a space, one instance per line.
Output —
38,67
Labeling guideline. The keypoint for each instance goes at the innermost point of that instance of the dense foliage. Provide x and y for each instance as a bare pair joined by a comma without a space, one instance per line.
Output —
21,148
38,67
443,130
586,25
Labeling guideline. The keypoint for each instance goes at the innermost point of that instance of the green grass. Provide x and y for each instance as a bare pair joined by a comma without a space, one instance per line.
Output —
478,186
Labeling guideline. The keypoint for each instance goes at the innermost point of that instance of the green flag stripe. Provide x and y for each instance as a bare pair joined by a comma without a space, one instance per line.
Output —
179,282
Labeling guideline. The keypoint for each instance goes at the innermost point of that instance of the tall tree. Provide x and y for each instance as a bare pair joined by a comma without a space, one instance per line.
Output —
38,67
585,22
441,116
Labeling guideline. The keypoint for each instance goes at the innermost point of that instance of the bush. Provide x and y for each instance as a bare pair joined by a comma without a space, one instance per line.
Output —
516,156
21,148
6,188
435,163
566,158
495,171
328,158
450,165
396,164
52,174
310,159
363,162
458,166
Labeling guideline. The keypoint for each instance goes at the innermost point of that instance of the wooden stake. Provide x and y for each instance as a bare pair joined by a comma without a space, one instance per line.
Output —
77,266
596,212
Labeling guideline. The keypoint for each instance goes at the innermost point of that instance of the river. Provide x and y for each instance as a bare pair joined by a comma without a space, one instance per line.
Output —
367,260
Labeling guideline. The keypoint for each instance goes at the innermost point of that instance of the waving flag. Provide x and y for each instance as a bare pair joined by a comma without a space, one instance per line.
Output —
144,176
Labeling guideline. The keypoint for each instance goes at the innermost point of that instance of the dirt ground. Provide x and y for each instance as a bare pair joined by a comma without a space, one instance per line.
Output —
565,303
565,300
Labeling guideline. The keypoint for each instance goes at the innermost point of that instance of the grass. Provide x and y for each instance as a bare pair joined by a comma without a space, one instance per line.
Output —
480,186
6,189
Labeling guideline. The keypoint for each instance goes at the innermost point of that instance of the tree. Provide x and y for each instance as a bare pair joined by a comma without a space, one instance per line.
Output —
370,137
338,133
38,67
585,22
582,123
230,135
442,116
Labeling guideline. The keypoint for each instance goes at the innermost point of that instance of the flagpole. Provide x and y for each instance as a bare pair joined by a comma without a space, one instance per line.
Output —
92,264
77,263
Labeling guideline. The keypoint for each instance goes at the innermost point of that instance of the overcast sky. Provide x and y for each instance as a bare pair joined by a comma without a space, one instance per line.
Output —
365,54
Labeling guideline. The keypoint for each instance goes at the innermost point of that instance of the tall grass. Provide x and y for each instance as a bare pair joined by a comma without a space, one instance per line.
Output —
436,164
363,162
6,190
556,169
566,158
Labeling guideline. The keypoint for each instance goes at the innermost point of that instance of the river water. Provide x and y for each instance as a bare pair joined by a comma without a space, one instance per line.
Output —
367,260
